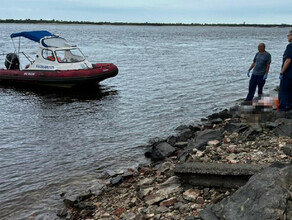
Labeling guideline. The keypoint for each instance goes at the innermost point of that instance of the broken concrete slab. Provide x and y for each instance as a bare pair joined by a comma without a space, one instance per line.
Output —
146,181
173,180
162,194
214,174
220,168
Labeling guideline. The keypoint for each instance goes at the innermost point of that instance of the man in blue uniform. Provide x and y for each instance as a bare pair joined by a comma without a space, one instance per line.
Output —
285,92
261,66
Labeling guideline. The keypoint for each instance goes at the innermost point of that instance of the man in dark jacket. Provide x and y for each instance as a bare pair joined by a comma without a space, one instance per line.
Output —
285,92
261,66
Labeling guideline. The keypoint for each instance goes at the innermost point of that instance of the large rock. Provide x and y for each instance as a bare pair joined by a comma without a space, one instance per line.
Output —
202,139
250,133
285,129
271,125
235,127
288,150
182,127
265,197
289,210
185,135
160,151
195,128
73,197
171,140
216,121
223,115
288,114
116,180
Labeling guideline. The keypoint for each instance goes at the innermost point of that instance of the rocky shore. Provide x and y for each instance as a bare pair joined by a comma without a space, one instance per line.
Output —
235,164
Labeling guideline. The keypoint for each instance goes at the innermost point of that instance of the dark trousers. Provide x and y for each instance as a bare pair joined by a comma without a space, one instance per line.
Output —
254,82
285,94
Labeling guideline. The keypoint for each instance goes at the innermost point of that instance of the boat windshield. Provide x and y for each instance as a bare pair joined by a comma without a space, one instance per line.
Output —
54,42
69,55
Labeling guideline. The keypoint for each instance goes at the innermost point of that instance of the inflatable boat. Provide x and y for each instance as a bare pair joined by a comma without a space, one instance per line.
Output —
57,63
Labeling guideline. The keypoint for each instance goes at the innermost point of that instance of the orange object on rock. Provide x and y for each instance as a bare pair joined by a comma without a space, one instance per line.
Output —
277,103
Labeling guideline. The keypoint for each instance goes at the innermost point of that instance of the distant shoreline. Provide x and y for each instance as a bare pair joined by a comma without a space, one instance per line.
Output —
32,21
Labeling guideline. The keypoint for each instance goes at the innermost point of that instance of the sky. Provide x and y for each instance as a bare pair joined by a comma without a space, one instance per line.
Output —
157,11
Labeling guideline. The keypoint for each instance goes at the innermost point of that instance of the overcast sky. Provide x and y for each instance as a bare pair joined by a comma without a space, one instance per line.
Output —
185,11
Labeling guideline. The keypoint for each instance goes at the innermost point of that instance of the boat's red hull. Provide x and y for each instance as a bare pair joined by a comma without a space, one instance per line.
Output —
60,78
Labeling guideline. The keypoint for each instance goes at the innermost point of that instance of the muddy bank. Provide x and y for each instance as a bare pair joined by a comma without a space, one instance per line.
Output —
207,171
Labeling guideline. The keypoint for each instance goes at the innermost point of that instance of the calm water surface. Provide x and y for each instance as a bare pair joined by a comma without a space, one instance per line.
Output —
53,141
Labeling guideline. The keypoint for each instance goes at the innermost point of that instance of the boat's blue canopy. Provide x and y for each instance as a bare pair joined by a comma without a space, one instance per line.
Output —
32,35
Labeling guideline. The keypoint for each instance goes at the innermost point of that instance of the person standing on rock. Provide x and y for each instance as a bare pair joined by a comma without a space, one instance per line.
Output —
261,66
285,92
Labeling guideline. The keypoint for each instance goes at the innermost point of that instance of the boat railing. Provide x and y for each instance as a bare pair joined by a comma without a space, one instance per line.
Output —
29,58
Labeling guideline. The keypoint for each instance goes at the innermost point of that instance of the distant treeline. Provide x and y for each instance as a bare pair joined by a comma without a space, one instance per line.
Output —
53,21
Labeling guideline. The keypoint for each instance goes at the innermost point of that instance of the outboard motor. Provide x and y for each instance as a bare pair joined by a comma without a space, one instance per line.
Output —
12,61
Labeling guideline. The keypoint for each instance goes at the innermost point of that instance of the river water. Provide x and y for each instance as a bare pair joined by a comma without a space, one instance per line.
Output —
54,141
